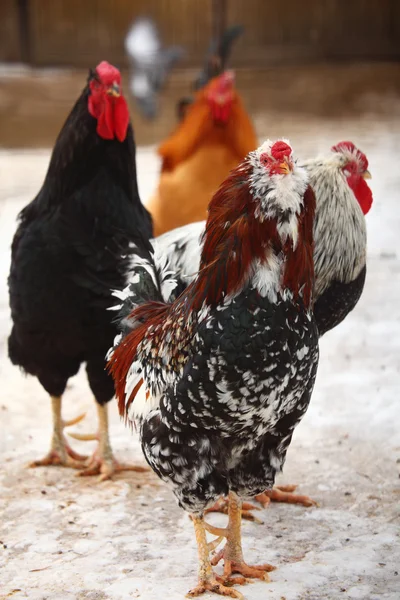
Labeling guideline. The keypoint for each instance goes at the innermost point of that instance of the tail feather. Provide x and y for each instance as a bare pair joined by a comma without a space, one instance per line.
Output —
218,56
123,363
148,281
225,45
145,298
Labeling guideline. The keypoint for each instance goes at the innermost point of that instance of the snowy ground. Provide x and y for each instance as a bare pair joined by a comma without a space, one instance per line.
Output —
64,538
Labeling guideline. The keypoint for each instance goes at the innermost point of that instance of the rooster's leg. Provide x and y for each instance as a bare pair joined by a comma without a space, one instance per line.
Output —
233,554
207,580
102,462
60,453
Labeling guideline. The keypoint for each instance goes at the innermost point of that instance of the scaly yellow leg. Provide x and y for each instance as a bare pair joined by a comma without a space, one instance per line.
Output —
60,453
233,553
207,580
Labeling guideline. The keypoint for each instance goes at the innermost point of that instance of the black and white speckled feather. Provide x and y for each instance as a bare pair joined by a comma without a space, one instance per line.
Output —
147,279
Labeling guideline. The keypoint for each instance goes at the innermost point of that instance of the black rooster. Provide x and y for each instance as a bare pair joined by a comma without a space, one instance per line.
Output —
72,247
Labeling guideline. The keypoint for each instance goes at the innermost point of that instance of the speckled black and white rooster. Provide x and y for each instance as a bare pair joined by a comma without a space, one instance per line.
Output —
343,197
218,379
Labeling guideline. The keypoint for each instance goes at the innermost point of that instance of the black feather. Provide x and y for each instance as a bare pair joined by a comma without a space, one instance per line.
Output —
217,56
73,245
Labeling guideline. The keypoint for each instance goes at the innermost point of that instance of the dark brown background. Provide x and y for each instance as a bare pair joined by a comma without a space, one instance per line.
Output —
79,32
297,59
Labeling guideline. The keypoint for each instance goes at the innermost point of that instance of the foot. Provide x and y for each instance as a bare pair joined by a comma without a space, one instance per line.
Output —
212,585
222,505
102,462
280,493
61,454
107,466
248,572
284,493
208,581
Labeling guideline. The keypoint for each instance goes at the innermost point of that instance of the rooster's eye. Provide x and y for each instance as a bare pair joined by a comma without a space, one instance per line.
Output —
264,159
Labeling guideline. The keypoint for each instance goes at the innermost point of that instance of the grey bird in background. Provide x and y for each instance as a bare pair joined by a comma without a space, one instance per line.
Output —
151,63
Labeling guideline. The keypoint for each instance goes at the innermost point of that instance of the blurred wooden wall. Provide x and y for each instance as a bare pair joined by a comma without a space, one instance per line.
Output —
82,32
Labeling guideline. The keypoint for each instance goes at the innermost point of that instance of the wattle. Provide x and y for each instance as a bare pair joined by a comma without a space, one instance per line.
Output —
362,192
221,112
112,117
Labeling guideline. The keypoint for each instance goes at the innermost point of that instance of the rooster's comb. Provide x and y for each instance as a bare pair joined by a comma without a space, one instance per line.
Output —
349,148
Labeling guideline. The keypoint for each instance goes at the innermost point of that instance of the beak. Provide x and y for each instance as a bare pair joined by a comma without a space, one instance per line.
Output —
285,167
114,90
366,175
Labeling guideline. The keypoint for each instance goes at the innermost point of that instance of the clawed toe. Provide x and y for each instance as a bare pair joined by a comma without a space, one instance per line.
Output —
284,493
55,461
221,506
107,467
62,457
216,587
248,572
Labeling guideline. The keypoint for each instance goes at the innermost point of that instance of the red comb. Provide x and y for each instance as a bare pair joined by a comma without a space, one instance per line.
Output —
344,146
280,149
107,73
228,76
224,82
350,147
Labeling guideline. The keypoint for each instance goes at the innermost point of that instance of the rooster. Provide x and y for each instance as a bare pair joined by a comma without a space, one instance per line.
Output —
343,197
219,379
214,135
72,245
